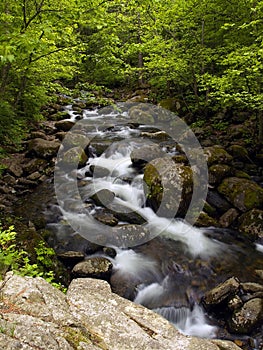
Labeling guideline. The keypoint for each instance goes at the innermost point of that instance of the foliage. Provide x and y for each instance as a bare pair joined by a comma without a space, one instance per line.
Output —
13,257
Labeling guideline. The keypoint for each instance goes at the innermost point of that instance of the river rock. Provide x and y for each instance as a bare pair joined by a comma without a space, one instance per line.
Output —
221,293
13,164
64,125
217,155
242,193
227,219
89,317
43,148
129,235
106,218
75,140
96,267
251,224
32,165
103,197
141,114
146,153
239,153
71,257
217,201
126,214
244,320
218,172
75,155
169,187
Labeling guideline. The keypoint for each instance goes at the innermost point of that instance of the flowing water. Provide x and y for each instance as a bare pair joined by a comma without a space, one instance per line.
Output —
170,272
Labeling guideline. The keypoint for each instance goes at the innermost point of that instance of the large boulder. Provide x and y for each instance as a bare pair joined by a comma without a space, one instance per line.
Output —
36,315
169,187
75,155
144,154
217,155
242,193
43,148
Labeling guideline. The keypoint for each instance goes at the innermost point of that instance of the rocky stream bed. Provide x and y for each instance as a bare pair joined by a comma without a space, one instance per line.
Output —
206,279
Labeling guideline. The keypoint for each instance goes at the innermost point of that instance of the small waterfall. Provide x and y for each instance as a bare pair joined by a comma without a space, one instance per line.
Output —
190,322
154,279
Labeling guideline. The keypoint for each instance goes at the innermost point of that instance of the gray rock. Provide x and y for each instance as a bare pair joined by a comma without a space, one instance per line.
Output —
248,317
228,217
96,267
217,155
36,315
146,153
64,125
223,292
43,148
169,187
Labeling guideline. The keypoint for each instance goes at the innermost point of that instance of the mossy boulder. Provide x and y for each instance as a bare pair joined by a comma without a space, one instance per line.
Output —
43,148
169,187
140,115
242,193
251,224
75,155
64,125
217,154
238,152
218,172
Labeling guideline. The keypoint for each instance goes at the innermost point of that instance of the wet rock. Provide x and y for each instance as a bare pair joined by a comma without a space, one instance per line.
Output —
106,218
217,154
128,235
218,172
64,125
251,224
96,267
76,140
204,220
244,320
144,154
75,155
217,201
71,257
221,293
169,187
99,171
103,197
243,194
125,214
227,219
158,135
43,148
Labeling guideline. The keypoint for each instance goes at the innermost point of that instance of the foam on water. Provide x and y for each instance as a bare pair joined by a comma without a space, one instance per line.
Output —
190,322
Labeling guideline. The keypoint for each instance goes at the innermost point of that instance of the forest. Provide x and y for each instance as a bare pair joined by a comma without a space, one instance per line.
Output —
206,55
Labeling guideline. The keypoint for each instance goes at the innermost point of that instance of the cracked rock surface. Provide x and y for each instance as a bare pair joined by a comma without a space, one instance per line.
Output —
35,315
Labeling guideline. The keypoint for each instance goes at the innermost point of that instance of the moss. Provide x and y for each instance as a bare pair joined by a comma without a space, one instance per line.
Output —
78,335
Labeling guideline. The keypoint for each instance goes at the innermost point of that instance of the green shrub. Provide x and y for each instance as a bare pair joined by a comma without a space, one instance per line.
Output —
15,258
